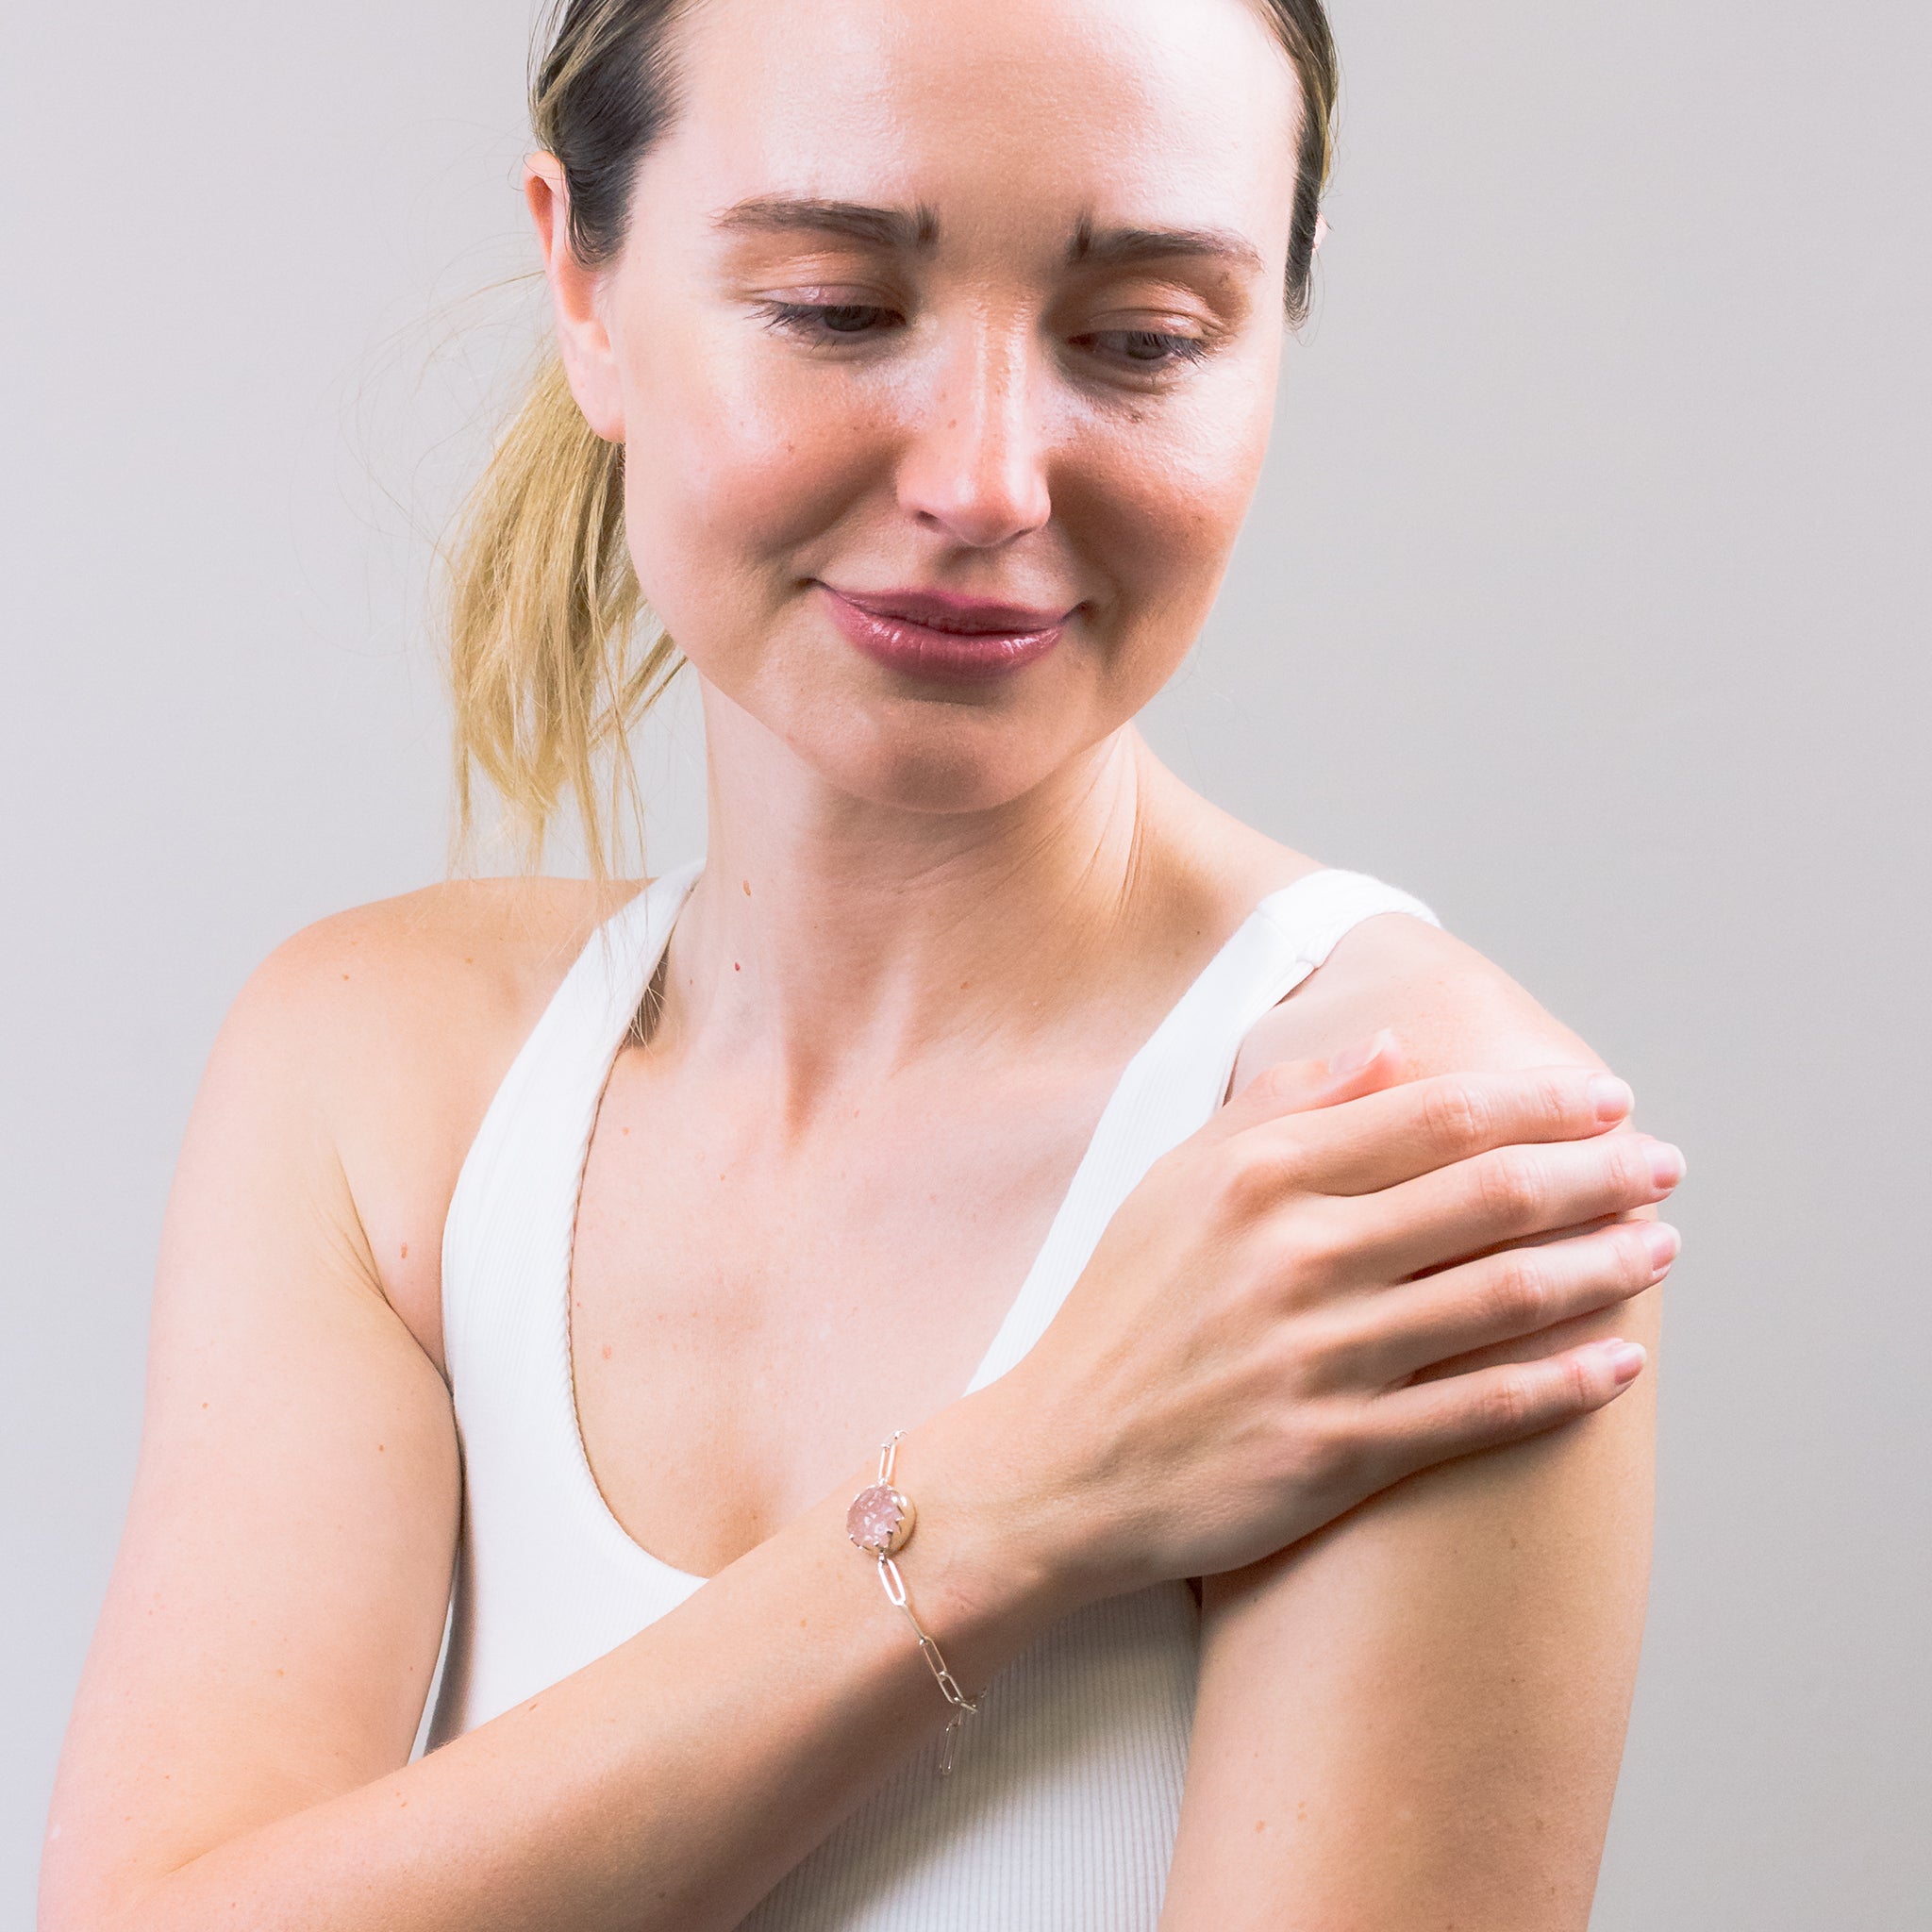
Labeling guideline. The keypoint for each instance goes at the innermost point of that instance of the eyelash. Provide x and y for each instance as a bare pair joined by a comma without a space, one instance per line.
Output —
797,317
809,320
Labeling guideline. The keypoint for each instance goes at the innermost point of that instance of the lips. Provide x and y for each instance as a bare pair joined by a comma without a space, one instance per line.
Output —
951,640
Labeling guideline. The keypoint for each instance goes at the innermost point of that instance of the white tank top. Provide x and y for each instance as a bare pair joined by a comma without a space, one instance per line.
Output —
1060,1813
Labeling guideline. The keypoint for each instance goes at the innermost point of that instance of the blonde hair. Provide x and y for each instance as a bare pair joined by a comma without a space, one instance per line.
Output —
546,678
552,656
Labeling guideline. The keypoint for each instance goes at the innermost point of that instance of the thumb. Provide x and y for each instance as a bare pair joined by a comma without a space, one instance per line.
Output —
1296,1086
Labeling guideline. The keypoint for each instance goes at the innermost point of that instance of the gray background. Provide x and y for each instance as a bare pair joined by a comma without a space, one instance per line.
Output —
1583,597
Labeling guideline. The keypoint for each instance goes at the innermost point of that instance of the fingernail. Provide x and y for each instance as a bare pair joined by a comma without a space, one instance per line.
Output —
1666,1164
1610,1096
1662,1240
1353,1059
1625,1359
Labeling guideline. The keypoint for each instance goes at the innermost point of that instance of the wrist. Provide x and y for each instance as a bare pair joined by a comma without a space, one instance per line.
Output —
985,1567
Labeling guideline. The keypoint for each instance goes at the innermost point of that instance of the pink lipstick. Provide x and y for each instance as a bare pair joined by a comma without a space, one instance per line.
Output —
951,640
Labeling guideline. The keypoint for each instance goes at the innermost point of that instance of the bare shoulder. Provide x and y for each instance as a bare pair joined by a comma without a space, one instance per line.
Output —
400,1018
1450,1008
1455,1654
464,944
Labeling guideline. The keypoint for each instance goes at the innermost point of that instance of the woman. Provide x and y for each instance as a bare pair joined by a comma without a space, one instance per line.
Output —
1282,1562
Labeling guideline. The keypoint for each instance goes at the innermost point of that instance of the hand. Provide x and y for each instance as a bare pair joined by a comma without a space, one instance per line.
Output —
1235,1367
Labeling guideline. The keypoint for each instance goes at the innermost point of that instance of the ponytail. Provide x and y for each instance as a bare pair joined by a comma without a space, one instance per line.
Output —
546,675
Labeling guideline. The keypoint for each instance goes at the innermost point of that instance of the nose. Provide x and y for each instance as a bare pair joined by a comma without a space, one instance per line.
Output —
973,467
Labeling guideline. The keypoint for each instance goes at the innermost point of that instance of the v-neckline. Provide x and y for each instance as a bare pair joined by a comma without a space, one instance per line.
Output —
636,921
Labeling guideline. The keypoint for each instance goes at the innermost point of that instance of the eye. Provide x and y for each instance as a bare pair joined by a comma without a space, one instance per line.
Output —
1145,349
826,322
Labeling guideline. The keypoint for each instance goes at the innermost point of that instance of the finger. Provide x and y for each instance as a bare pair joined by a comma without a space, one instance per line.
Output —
1291,1086
1463,1210
1433,1422
1395,1134
1384,1337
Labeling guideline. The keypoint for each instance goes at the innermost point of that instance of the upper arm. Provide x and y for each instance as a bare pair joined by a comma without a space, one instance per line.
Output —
277,1604
1414,1718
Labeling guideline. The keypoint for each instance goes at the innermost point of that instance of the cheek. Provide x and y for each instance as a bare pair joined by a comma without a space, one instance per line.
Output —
730,472
1165,492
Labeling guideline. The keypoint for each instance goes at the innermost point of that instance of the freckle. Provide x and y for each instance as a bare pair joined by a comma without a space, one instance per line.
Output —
735,967
626,1130
281,1674
405,1251
1260,1825
345,975
607,1351
379,1448
747,888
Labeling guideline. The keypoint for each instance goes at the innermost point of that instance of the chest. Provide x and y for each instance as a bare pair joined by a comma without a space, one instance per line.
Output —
754,1308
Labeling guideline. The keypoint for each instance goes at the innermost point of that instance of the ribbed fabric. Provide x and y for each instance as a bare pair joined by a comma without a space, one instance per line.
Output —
1061,1812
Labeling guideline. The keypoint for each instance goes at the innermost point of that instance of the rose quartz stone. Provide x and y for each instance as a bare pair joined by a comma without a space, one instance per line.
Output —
878,1520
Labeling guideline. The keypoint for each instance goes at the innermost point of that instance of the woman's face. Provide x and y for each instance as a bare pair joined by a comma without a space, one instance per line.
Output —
978,299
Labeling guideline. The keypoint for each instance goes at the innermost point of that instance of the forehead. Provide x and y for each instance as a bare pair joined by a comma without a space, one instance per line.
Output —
1173,111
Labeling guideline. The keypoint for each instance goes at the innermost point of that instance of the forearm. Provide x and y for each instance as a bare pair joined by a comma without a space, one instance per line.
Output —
673,1781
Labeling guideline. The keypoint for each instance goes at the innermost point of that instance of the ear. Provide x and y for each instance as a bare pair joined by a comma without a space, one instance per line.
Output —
575,293
1321,234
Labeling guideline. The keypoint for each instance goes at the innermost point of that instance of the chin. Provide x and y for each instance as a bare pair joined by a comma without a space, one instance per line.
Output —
954,762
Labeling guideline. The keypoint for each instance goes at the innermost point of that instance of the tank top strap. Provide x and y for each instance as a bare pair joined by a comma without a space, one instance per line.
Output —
1321,906
1173,1084
523,1166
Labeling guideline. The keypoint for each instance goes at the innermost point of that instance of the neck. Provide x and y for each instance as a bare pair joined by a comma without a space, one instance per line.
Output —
831,938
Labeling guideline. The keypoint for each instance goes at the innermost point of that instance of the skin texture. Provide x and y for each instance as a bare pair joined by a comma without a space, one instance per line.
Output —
934,925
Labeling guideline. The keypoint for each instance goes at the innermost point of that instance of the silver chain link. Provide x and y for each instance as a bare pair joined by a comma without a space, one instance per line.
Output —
894,1586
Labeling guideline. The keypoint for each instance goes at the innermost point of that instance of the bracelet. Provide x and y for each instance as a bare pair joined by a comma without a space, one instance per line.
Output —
879,1522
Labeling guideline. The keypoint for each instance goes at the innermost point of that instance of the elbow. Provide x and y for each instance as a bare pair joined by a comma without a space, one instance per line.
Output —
82,1895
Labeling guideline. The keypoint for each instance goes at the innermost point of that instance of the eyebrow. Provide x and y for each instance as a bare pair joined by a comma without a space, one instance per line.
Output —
916,231
909,230
1123,247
